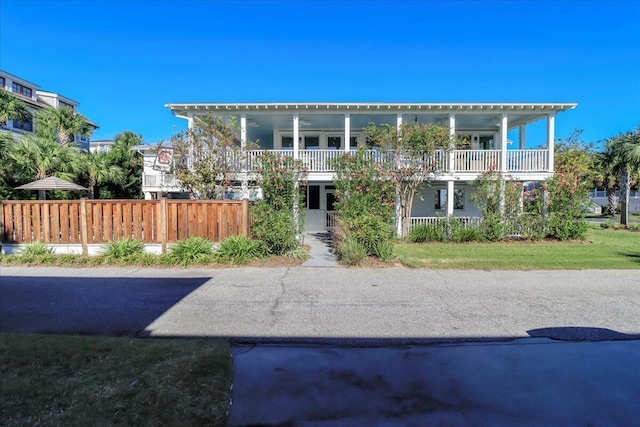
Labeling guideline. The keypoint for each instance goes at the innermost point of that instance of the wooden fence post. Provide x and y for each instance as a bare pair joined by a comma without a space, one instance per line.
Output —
245,217
163,224
84,233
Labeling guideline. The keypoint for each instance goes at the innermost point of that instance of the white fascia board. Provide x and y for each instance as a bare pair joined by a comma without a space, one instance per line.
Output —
370,107
60,97
19,80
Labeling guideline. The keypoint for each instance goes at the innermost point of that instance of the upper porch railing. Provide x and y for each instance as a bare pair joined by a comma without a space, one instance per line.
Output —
463,160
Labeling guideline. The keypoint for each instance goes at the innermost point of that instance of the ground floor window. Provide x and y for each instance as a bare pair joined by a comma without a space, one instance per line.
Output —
440,196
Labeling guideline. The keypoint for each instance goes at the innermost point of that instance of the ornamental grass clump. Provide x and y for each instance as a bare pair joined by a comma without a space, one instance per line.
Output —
351,251
36,251
194,250
240,250
123,248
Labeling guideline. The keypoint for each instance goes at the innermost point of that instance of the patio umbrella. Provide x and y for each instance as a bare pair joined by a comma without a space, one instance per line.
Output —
50,183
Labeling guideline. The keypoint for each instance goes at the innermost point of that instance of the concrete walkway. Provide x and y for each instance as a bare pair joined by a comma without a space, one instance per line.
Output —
321,255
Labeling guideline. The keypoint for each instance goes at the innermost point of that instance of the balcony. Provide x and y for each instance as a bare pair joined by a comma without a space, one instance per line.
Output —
159,180
464,161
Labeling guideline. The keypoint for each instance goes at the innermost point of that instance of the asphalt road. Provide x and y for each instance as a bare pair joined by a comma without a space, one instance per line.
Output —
322,305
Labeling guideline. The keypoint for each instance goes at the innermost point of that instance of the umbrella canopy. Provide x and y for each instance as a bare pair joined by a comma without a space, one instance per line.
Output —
51,183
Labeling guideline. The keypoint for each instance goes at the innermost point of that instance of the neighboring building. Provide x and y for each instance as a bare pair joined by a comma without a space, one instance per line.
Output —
36,99
599,197
157,183
317,132
101,146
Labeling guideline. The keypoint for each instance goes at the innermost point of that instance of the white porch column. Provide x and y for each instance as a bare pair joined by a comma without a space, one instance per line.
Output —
296,136
243,157
347,132
398,200
296,184
523,130
503,142
450,198
190,121
551,129
243,130
452,134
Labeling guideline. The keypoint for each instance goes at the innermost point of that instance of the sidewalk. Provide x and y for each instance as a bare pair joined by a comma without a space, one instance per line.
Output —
528,382
321,255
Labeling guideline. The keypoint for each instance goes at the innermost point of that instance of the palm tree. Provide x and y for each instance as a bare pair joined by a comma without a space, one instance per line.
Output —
39,158
607,177
625,150
61,123
99,170
131,162
12,108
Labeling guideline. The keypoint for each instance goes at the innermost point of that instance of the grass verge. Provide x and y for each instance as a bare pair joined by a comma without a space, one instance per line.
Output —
95,381
603,249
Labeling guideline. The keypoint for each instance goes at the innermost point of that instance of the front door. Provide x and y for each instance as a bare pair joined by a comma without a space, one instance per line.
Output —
330,209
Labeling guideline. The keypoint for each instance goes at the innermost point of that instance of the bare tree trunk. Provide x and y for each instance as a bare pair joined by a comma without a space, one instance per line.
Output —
625,187
613,201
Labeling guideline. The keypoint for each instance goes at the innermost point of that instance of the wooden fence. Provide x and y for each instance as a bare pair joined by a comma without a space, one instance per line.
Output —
97,221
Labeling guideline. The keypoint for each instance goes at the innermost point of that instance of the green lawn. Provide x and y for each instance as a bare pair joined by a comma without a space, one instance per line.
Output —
92,381
602,249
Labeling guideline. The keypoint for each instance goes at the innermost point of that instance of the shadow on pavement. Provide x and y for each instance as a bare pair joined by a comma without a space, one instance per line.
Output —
581,333
111,306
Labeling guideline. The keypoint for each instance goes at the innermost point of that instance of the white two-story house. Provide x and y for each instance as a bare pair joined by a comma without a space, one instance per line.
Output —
35,100
318,132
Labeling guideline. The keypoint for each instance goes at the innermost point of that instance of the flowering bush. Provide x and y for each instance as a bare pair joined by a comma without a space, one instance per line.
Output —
277,220
364,199
554,209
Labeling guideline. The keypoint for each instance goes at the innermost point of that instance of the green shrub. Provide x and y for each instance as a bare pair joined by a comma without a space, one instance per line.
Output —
492,228
275,228
36,251
384,250
368,230
240,250
422,233
190,251
563,227
465,234
351,251
607,224
299,252
123,248
532,226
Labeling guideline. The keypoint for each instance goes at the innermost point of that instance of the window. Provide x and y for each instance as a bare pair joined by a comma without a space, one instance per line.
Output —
441,199
334,142
26,125
21,90
64,104
2,82
287,142
311,142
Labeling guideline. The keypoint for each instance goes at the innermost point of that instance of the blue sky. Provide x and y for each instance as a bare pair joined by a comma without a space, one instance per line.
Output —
123,60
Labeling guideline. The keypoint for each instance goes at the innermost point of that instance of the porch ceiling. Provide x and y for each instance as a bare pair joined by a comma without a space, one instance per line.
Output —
469,116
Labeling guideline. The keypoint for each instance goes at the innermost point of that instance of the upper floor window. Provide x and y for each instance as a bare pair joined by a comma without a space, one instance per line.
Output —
64,104
21,90
26,125
2,82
